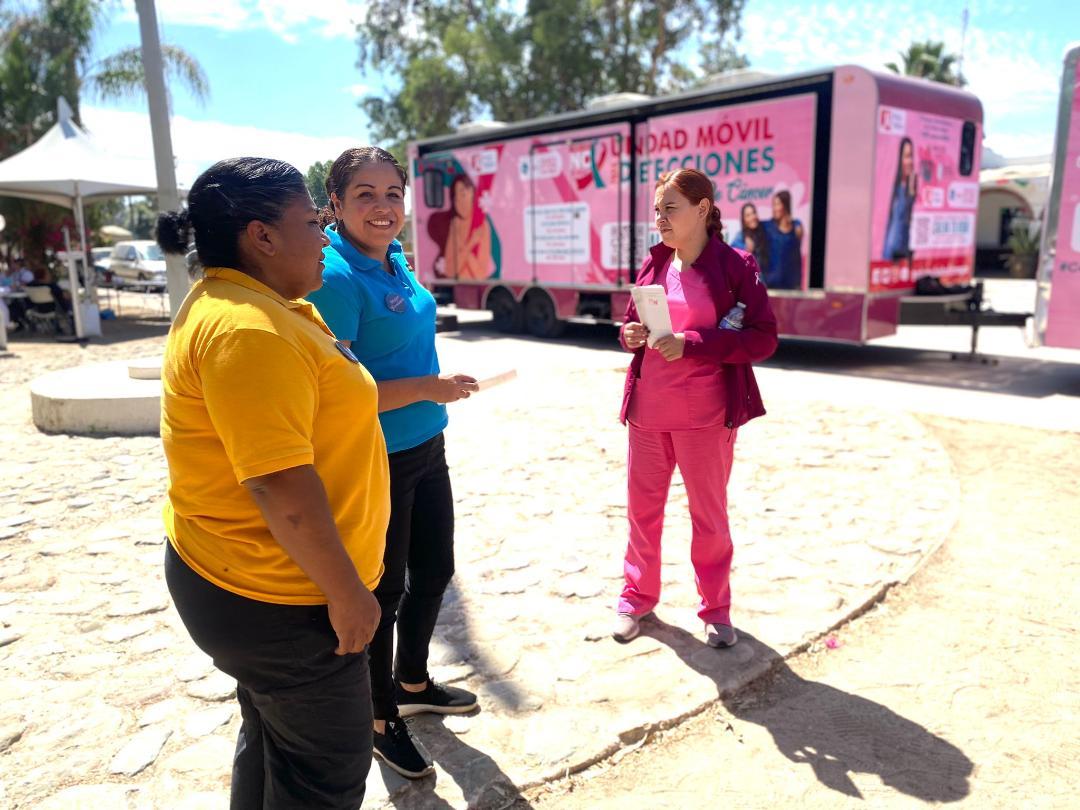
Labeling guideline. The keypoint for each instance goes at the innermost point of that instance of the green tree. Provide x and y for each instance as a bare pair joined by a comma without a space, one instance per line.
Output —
928,60
140,216
41,55
469,58
315,178
121,75
31,228
46,52
444,66
104,212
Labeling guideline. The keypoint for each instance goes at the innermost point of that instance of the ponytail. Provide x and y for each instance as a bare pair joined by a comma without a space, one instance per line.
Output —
174,231
327,215
714,224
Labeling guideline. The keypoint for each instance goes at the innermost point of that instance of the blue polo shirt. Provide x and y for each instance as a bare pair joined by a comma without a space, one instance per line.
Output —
390,321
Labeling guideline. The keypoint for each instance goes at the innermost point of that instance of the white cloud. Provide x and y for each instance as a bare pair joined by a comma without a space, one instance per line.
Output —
286,18
198,144
1014,74
1007,75
358,90
1015,145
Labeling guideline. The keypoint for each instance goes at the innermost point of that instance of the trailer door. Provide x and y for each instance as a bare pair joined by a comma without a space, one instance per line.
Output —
1057,310
577,217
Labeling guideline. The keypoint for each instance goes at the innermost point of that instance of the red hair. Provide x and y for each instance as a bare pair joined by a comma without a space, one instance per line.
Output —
695,186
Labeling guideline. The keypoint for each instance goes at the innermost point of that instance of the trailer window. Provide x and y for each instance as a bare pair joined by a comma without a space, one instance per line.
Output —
434,188
967,149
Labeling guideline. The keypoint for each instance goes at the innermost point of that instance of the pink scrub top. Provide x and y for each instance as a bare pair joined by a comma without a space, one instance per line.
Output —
684,394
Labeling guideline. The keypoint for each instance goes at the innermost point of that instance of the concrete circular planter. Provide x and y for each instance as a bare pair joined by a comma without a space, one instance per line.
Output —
104,399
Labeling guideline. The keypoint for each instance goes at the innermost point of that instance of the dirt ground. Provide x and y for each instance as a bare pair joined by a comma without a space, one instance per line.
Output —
107,702
961,687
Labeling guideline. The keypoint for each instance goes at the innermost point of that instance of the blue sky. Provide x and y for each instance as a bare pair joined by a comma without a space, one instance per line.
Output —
284,79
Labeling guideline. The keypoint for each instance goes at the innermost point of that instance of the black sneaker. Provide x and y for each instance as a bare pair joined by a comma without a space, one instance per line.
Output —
401,751
436,699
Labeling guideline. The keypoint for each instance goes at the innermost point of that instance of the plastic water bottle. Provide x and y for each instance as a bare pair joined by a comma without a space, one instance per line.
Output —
734,318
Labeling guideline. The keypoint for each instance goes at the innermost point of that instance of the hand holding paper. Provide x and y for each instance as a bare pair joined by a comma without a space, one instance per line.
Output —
446,388
490,380
634,335
652,307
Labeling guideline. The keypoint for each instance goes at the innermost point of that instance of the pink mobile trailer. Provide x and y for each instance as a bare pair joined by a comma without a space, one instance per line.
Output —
846,185
1057,307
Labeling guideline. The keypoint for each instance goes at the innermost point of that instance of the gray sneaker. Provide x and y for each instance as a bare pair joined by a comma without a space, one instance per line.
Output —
627,627
720,635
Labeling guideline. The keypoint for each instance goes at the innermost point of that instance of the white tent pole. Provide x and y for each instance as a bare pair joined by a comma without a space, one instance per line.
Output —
168,196
89,280
80,221
73,280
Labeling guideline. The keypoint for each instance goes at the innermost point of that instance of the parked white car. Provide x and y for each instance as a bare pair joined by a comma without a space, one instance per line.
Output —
140,260
101,258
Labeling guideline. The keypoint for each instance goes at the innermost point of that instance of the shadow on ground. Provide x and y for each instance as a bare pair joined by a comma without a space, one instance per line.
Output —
834,732
596,336
1005,375
1017,376
117,330
481,780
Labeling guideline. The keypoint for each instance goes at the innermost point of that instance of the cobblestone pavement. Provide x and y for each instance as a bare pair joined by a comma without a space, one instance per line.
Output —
108,703
957,689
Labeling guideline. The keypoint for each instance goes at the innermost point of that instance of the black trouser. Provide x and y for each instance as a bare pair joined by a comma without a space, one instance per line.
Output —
17,309
418,563
305,741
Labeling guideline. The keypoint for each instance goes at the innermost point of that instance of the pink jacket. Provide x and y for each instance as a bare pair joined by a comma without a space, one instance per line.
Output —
732,275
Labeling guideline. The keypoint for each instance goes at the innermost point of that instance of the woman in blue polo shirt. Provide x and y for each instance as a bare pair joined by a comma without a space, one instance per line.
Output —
374,305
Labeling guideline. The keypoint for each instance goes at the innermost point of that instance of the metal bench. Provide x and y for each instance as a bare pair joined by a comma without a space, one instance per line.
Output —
958,309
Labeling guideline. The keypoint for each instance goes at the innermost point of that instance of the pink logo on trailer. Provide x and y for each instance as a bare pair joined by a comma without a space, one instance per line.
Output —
892,121
485,161
540,166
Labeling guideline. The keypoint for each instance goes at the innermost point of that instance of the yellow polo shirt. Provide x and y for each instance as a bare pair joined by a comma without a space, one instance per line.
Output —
253,383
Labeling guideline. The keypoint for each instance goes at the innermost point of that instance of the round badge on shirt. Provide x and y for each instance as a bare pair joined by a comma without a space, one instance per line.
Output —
395,303
346,352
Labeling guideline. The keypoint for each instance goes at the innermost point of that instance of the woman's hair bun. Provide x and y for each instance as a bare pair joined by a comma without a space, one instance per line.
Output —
327,215
174,231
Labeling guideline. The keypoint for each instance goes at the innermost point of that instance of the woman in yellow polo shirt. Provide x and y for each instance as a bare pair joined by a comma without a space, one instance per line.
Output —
268,424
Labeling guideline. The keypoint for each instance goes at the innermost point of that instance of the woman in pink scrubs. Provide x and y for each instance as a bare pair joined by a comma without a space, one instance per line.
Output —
686,397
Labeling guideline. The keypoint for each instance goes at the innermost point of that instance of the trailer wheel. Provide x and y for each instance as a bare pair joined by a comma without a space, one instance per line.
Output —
507,315
540,316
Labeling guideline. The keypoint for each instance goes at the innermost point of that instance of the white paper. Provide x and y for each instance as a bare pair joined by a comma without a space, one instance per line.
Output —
491,380
651,303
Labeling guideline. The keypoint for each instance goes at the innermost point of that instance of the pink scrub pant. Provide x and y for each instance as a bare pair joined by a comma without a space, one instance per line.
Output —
704,457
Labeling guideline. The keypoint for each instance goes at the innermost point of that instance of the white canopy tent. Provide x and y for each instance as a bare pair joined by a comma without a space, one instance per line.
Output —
66,167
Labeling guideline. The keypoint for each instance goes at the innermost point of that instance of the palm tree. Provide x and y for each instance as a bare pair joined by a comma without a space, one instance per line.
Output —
46,53
928,60
121,75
